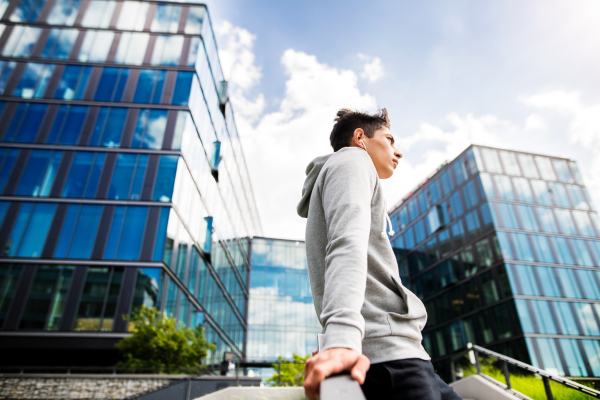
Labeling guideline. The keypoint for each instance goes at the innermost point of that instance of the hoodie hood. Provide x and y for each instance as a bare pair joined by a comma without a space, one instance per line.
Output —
312,173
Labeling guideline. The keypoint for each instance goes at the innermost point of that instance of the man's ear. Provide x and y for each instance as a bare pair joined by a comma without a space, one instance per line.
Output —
358,134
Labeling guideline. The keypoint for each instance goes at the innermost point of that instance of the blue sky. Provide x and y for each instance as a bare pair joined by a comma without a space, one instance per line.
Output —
518,75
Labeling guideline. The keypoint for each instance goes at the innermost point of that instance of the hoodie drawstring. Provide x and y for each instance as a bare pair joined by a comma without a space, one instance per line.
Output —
386,221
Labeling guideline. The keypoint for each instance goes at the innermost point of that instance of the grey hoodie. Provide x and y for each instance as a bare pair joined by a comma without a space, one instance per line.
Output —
354,279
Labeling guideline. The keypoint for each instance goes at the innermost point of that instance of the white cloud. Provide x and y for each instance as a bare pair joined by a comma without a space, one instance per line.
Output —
535,122
373,68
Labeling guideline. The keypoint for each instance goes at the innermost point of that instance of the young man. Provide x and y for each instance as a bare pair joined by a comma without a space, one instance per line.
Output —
371,322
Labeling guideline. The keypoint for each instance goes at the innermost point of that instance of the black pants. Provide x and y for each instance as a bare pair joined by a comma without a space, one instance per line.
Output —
407,379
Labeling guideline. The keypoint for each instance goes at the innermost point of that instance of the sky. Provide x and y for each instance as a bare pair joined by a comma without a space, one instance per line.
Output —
511,74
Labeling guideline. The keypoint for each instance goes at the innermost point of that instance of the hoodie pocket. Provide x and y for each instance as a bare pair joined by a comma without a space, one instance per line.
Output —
411,323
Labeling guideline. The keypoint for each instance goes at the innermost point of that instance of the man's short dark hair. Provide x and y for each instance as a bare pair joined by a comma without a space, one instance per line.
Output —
347,121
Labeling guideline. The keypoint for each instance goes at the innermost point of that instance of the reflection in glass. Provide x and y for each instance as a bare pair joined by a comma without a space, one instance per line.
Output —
95,46
549,356
27,11
492,162
509,161
99,13
39,173
132,48
109,126
546,218
504,187
59,44
545,168
25,124
527,217
73,82
528,166
64,12
562,170
573,359
567,226
133,15
166,18
194,22
150,129
33,81
30,232
585,314
21,41
167,50
67,125
578,197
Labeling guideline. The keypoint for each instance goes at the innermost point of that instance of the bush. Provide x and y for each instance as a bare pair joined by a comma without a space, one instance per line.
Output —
290,373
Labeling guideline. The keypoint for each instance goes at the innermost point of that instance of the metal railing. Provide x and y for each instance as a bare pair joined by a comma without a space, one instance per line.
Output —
474,350
79,370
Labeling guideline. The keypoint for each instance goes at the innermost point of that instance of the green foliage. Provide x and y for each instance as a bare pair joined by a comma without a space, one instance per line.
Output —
157,342
528,384
291,373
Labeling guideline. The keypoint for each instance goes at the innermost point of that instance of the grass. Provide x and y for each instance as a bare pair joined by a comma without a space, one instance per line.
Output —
528,384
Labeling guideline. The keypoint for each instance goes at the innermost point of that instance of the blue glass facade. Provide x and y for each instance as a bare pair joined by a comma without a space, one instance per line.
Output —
503,247
122,178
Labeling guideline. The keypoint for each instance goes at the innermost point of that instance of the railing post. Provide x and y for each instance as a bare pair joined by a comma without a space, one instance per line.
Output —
547,388
279,372
453,371
506,376
477,364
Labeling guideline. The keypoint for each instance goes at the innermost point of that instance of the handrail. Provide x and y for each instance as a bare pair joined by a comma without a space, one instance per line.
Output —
546,376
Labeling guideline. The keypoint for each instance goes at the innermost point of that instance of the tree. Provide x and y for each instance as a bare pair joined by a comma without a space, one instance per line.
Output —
290,373
157,342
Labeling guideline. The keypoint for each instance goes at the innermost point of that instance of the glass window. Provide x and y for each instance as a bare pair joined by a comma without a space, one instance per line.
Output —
585,313
149,86
193,25
460,172
560,194
7,161
182,88
166,18
594,245
562,170
133,16
522,247
85,230
568,282
150,129
132,48
96,45
444,240
524,317
413,209
527,217
584,258
161,234
25,123
578,197
549,356
132,234
504,187
492,162
575,172
446,182
167,50
33,81
67,125
473,225
21,41
488,221
128,176
567,226
423,201
489,289
109,125
84,175
112,84
73,82
484,250
505,245
545,168
458,234
588,283
59,44
6,69
470,194
26,11
548,282
543,316
29,232
409,238
509,161
434,191
509,218
39,173
99,13
456,205
542,194
592,351
420,231
528,166
523,190
562,250
542,249
64,12
163,188
547,221
92,299
403,214
565,318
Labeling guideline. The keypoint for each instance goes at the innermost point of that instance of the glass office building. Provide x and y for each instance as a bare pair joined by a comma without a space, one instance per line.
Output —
503,247
122,179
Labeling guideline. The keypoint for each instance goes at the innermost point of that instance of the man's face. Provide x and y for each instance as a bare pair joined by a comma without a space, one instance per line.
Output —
383,153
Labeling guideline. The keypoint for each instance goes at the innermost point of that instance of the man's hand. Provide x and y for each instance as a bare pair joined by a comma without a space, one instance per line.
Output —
332,361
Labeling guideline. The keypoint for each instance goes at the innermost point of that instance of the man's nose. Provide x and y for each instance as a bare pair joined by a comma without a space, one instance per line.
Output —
397,154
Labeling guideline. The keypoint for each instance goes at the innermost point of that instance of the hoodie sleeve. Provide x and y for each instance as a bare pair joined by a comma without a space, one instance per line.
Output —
347,193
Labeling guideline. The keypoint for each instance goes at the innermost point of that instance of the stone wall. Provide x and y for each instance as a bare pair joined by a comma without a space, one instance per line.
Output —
76,388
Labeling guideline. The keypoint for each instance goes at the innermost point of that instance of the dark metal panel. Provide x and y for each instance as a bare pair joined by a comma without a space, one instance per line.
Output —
47,123
61,174
9,111
169,87
185,12
149,50
150,17
46,11
54,81
8,223
54,231
11,7
150,233
88,126
39,46
72,304
93,83
185,52
125,299
17,171
115,16
151,171
14,79
5,35
13,316
82,9
128,130
107,171
103,230
131,84
169,130
77,45
112,53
